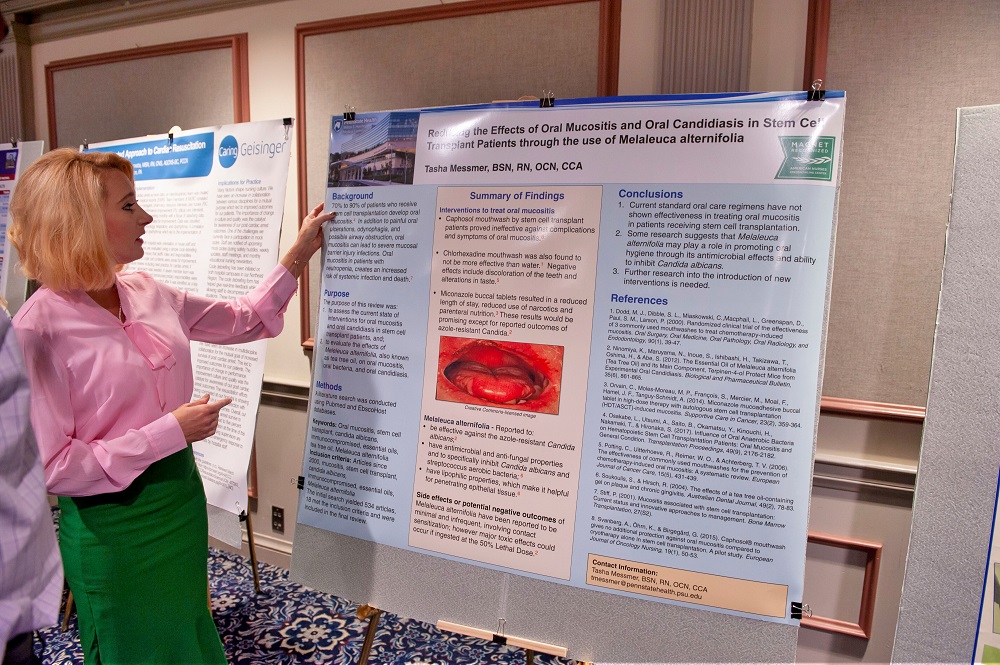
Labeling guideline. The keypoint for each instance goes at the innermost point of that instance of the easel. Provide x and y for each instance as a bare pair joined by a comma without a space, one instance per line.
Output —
373,614
245,515
501,637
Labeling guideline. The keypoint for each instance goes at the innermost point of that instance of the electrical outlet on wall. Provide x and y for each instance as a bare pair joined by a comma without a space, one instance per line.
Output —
277,519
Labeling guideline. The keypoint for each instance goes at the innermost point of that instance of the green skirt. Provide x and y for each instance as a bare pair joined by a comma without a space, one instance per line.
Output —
137,564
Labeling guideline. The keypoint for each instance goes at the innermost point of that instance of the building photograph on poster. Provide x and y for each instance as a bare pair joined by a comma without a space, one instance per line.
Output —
373,151
605,336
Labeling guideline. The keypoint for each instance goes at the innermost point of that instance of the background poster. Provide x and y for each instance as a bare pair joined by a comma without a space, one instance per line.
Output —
8,173
216,196
987,646
14,159
580,343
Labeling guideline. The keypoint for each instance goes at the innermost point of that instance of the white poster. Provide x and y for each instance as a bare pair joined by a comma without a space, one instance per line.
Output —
581,343
8,176
14,159
216,196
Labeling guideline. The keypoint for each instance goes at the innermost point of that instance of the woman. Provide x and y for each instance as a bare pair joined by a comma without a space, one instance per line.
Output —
109,360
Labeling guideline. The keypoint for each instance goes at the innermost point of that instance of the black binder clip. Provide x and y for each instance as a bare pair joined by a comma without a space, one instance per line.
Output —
287,122
547,100
86,144
816,91
349,113
796,610
500,637
300,482
243,516
13,142
170,141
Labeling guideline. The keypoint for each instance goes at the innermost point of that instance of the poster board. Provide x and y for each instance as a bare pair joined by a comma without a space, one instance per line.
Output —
216,195
575,401
956,488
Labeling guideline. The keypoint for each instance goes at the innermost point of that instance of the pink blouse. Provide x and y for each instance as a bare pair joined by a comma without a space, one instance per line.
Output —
102,391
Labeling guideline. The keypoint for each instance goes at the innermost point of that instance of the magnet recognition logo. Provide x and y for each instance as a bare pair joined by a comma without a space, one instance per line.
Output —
806,158
229,148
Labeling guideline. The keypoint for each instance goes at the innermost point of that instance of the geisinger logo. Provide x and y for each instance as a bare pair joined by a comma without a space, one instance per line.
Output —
229,149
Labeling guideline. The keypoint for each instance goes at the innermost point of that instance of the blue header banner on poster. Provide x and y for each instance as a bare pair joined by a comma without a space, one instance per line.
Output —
166,159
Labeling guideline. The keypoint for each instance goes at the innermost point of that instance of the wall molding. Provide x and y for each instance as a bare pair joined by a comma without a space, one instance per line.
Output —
817,42
266,541
275,551
236,43
884,410
285,396
859,475
841,472
298,397
866,612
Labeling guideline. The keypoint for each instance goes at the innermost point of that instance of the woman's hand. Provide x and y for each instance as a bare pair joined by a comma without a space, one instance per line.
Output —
309,240
198,419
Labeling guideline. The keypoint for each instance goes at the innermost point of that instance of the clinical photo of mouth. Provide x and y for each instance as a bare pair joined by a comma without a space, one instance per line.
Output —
513,375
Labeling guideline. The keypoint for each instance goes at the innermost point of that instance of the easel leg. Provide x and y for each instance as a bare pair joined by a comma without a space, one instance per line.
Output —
69,610
253,553
373,614
529,657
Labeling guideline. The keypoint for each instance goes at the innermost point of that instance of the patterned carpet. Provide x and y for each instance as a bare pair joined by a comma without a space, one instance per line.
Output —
290,624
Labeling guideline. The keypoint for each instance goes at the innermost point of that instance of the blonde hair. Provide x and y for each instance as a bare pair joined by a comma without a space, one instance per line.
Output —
57,220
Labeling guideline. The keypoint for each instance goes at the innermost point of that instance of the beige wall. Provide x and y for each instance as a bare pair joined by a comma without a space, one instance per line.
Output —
863,486
849,445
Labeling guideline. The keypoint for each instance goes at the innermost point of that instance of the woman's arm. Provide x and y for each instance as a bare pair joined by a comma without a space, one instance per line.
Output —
256,315
260,313
309,240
